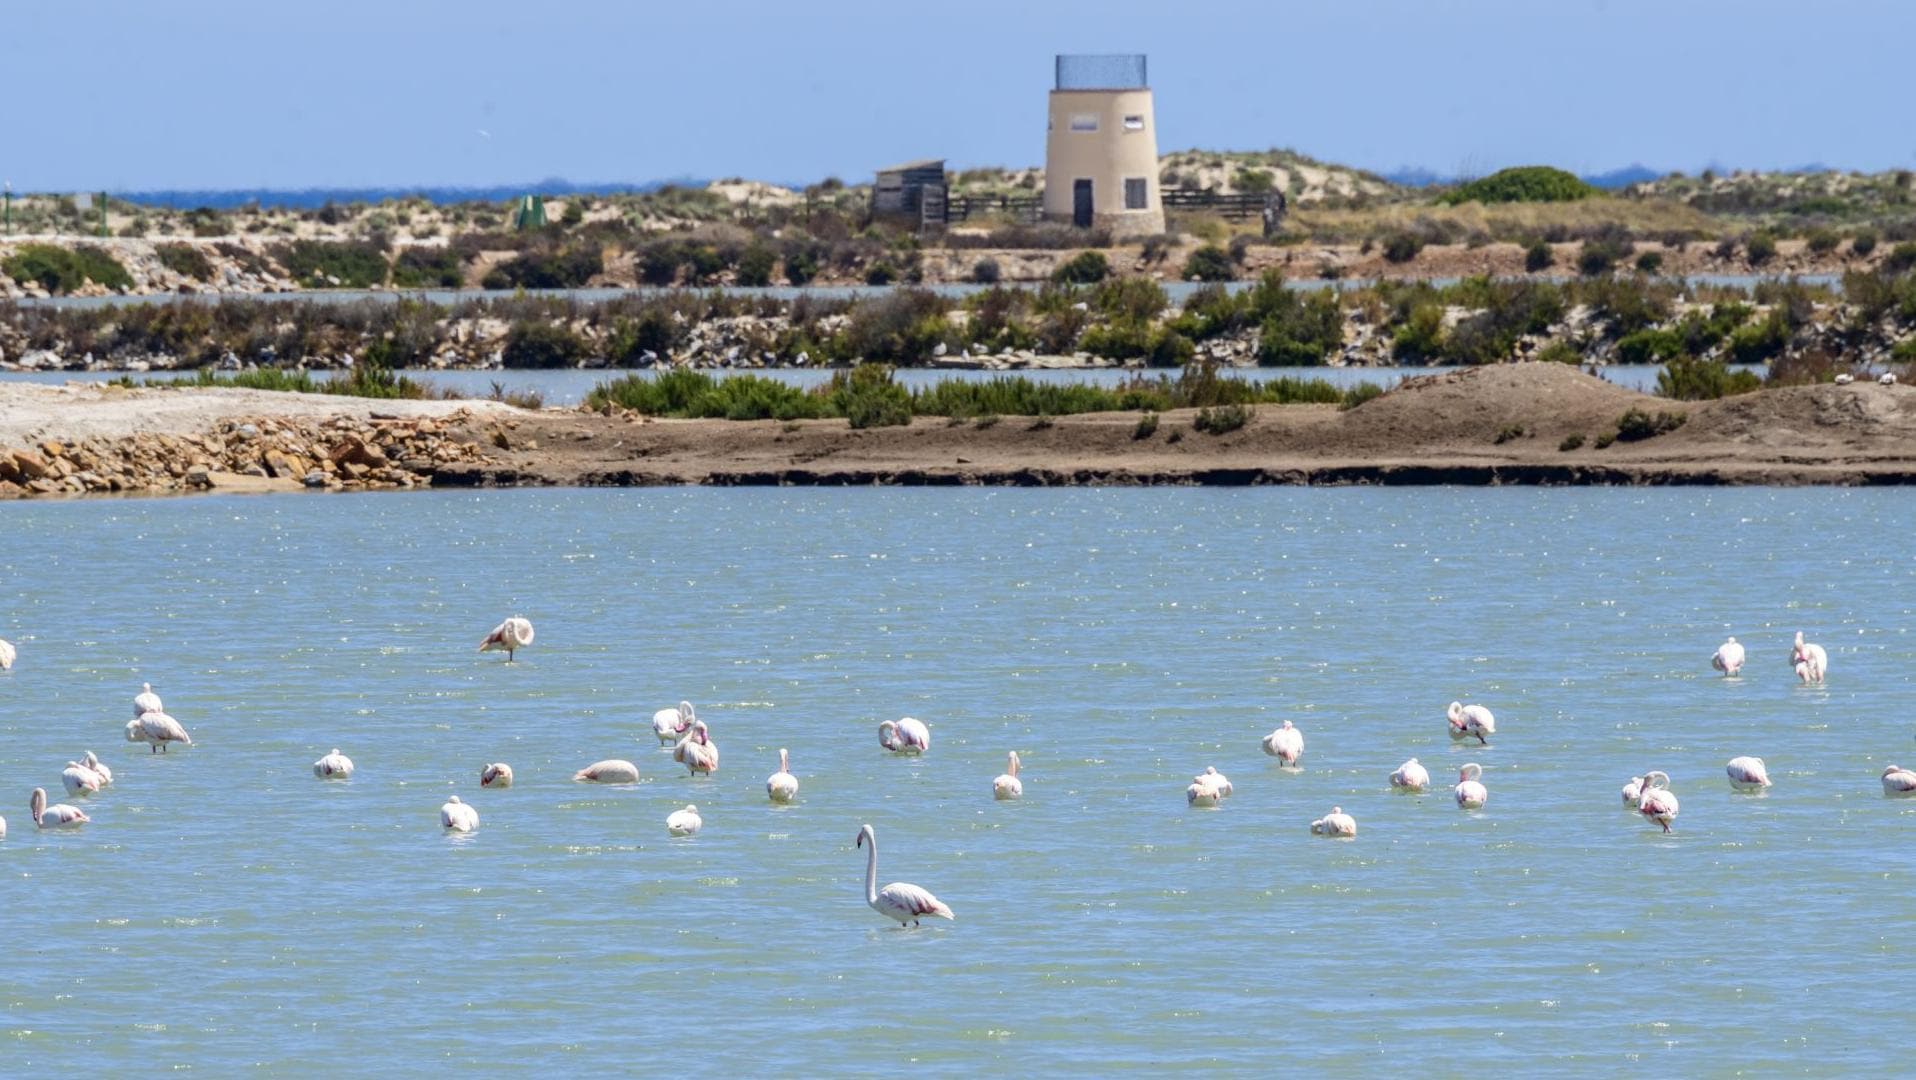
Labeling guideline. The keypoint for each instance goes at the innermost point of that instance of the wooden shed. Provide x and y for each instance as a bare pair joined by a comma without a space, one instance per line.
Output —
902,190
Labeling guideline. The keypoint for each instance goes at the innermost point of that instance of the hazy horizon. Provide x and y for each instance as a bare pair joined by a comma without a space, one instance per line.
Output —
231,96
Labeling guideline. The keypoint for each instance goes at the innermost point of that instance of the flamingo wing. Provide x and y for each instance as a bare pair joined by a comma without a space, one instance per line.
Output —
913,901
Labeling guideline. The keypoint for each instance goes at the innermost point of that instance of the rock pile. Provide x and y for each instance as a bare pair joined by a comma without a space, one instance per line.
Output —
339,452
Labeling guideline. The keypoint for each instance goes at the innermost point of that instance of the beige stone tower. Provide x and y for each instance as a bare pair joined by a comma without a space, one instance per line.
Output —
1101,154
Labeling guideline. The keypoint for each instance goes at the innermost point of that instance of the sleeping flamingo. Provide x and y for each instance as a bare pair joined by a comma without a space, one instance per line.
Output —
684,822
782,786
157,729
512,635
99,768
79,780
458,816
899,900
1810,661
1410,776
1658,803
697,752
1898,781
1469,720
1286,744
1201,794
1747,774
609,771
60,816
1215,779
1335,824
1007,785
496,775
669,724
905,736
1728,657
334,766
1470,791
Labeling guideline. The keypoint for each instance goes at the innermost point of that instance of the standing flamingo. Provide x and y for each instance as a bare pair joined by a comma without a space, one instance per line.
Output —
1657,802
1809,660
1898,781
1469,720
1007,785
1728,657
79,780
697,752
609,771
905,736
458,816
669,724
60,816
157,729
684,822
1747,774
334,766
1286,744
496,775
1411,776
1336,823
146,701
899,900
1633,793
782,786
1470,791
512,635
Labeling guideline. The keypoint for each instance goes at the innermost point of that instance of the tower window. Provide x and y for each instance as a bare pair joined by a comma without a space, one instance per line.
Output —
1134,122
1084,121
1136,195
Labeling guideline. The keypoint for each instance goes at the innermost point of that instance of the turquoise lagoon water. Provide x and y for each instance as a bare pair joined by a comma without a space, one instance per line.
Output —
226,912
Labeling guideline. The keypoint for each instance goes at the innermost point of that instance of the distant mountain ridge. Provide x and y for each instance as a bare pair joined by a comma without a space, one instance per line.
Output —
1614,180
438,194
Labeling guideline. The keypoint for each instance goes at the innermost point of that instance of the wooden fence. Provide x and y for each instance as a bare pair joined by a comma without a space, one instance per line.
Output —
939,207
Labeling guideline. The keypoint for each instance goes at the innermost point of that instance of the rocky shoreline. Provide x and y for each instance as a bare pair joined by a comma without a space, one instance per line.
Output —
1542,424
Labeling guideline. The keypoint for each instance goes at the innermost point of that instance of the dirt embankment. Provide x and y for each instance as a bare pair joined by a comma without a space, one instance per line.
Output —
1511,424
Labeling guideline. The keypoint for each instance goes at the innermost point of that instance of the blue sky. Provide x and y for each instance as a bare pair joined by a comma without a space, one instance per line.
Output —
218,94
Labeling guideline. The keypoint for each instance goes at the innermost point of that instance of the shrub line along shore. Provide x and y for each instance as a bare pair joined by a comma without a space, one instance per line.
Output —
1503,424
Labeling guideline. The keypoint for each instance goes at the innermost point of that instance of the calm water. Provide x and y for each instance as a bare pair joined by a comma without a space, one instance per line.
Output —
570,386
227,912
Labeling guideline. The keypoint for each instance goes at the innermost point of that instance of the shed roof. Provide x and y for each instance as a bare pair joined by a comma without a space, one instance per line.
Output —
909,166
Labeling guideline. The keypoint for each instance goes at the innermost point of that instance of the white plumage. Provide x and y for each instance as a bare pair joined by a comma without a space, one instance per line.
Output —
1728,657
157,729
609,771
1633,792
696,751
900,900
1810,660
1657,802
1410,776
334,766
1898,781
684,822
669,724
512,635
1007,785
782,786
1335,824
1467,721
79,780
1747,774
458,816
146,701
60,816
99,768
1215,779
904,736
1470,792
496,775
7,653
1286,744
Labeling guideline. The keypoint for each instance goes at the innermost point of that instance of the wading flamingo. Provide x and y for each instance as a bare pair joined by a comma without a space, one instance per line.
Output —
1336,823
7,653
1471,720
512,635
99,768
458,816
1658,803
79,780
684,822
334,766
1286,744
1632,793
1898,781
1470,791
497,774
60,816
1747,774
906,736
1201,795
901,901
609,771
1410,776
697,752
146,701
1809,660
1728,658
782,786
1007,785
156,729
669,724
1215,779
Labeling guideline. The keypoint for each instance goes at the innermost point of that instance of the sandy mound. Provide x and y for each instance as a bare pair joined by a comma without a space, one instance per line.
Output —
1475,405
30,412
1860,417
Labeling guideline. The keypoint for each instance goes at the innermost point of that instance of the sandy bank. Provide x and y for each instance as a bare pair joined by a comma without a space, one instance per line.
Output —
1496,425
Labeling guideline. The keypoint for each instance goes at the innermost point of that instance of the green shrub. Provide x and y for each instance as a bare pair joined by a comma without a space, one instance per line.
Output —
1649,346
1760,248
574,212
653,330
1901,258
428,267
801,263
185,260
1209,263
1402,247
1686,378
569,268
755,266
1604,440
1147,426
986,272
1559,352
1823,241
657,263
1760,341
1570,442
346,264
903,326
1650,262
1296,329
62,270
1636,425
1527,183
540,344
881,273
1726,248
1223,419
1597,257
1253,181
1539,256
1130,298
1084,268
1508,433
869,397
1862,244
1420,339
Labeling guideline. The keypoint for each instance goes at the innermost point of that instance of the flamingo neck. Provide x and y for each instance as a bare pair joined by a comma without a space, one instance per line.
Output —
871,869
